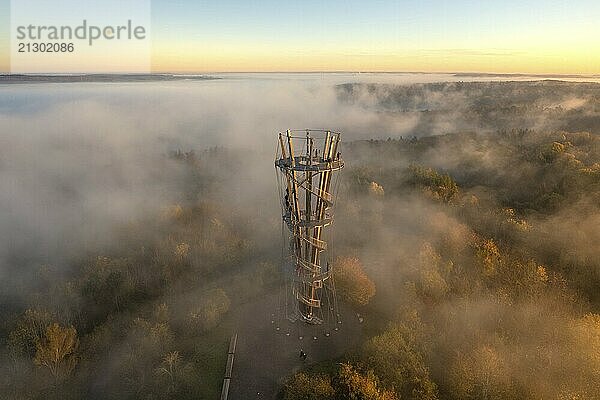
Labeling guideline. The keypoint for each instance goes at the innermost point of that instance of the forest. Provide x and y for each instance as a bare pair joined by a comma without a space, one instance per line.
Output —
468,239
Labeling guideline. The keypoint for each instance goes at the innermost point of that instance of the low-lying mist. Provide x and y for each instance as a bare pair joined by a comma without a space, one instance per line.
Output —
139,212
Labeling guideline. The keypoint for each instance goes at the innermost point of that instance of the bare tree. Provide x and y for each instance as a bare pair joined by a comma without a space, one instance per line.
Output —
169,367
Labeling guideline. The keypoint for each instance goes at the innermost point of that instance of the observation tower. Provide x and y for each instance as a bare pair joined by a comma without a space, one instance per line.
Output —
307,162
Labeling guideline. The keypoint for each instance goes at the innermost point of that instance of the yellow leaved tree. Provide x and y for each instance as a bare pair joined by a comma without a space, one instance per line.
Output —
56,351
353,284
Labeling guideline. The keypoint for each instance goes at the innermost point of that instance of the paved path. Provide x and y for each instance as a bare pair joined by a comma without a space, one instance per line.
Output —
268,347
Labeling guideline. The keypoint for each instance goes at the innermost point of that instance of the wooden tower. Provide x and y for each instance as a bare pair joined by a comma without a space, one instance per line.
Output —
306,164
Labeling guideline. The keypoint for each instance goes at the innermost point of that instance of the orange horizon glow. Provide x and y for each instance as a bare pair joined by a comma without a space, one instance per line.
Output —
230,36
188,58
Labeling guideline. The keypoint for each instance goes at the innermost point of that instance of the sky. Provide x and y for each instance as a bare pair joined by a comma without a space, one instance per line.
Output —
550,36
4,35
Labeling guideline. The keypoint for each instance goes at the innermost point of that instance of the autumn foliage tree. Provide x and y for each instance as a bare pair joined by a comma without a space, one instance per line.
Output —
57,351
440,186
351,383
431,285
209,312
480,374
29,330
398,357
304,386
352,283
